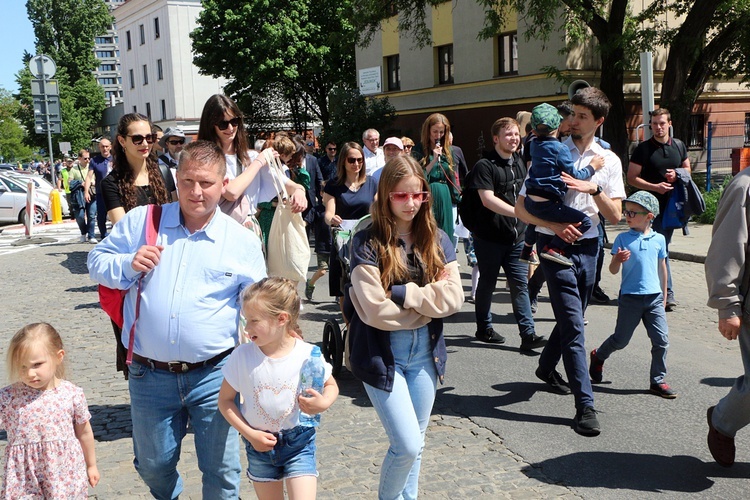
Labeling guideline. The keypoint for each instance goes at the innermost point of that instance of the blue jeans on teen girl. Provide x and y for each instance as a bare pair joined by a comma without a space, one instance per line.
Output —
405,412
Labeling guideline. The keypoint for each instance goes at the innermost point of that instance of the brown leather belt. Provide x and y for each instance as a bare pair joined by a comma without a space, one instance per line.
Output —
180,366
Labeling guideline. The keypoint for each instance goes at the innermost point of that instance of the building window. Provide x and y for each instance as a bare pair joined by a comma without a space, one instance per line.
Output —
105,54
129,41
103,39
143,34
132,79
445,64
135,109
107,81
148,110
107,67
394,72
507,49
163,109
145,75
159,70
695,132
747,130
110,94
157,33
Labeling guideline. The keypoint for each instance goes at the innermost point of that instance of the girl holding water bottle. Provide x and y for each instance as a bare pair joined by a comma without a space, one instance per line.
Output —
277,415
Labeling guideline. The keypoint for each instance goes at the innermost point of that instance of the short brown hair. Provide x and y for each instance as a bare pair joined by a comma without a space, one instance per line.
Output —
503,123
204,153
659,112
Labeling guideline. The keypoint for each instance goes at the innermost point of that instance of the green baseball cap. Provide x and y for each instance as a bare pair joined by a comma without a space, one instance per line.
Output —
547,115
646,200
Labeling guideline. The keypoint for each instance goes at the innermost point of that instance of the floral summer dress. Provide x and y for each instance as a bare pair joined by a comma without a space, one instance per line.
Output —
43,459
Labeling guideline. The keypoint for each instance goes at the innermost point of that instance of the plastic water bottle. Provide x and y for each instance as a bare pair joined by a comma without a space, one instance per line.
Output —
311,377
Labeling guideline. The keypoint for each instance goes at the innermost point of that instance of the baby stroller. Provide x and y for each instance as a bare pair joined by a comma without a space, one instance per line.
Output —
334,339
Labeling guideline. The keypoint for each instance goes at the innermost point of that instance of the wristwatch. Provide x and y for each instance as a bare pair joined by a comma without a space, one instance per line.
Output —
598,191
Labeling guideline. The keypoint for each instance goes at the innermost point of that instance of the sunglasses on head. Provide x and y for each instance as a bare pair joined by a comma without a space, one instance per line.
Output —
633,213
176,142
138,138
224,124
352,161
403,196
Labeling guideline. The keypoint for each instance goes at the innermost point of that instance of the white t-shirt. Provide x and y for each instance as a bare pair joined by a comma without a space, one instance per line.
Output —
373,161
268,385
261,189
609,177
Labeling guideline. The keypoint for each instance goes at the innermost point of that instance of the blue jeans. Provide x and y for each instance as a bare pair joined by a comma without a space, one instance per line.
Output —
86,218
569,292
491,256
667,233
631,310
292,456
160,405
405,412
732,413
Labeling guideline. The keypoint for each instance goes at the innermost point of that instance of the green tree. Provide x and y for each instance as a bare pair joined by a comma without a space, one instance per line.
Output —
352,113
297,51
65,31
712,41
12,146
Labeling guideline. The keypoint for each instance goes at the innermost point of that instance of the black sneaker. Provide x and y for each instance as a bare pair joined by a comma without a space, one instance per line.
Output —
533,341
671,302
596,370
662,390
490,336
554,381
598,296
585,423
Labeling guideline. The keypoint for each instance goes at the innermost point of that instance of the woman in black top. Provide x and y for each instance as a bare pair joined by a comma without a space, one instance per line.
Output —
136,178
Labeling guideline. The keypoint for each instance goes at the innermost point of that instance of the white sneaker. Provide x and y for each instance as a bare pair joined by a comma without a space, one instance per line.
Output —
83,238
93,241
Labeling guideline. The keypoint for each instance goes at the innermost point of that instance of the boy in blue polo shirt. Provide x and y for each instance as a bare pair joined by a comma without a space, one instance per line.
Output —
641,252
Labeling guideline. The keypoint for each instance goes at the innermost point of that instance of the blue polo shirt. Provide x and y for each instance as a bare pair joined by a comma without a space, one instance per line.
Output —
640,273
101,167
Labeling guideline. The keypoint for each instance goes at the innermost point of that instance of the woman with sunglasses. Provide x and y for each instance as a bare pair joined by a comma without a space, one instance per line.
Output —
405,279
436,155
136,178
347,197
222,123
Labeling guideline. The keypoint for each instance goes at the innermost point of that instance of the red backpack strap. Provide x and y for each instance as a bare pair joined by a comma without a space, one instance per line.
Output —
153,218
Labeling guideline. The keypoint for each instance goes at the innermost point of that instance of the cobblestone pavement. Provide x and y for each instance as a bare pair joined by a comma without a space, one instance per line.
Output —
461,460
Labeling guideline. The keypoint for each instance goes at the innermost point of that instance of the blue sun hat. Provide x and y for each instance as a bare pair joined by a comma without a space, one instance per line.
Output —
646,200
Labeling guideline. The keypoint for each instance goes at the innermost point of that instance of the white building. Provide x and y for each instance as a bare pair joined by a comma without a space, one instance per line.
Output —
159,77
106,50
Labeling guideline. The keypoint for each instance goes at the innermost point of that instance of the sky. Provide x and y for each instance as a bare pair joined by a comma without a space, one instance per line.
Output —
16,35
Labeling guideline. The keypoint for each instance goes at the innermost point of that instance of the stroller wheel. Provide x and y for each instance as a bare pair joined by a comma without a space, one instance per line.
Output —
333,345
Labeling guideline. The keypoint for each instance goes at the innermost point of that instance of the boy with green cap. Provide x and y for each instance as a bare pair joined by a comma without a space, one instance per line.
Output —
545,188
641,252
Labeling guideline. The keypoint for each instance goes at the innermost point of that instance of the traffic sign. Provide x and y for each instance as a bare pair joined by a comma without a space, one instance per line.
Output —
54,127
42,66
38,87
51,107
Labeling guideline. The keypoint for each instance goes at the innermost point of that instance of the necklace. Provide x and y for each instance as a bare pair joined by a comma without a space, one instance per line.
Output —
404,234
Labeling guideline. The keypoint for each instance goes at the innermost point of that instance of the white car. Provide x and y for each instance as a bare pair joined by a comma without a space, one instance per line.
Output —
13,202
44,188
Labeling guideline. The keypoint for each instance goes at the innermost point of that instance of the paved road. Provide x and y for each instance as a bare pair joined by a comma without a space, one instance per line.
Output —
496,433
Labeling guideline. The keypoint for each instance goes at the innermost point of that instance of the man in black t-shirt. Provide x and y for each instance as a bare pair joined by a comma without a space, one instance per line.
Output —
652,168
498,178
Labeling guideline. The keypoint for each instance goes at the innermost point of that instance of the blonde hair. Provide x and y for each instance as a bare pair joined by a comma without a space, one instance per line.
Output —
427,248
28,336
273,296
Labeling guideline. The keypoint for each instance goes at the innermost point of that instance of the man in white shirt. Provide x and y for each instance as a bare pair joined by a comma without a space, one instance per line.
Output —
374,158
570,287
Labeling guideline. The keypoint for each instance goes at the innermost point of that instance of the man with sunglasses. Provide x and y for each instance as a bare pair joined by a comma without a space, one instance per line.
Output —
172,141
652,168
327,163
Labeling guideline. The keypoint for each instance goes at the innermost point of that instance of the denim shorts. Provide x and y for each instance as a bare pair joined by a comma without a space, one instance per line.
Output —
293,456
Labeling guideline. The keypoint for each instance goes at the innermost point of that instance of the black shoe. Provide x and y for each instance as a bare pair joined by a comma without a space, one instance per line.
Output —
533,341
585,423
554,380
598,296
490,336
663,390
596,370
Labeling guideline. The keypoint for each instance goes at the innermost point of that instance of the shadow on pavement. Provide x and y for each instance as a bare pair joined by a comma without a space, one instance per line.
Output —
718,381
75,262
84,289
111,422
635,472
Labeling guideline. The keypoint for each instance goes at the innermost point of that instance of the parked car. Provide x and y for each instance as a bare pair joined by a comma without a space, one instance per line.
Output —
7,166
13,202
43,187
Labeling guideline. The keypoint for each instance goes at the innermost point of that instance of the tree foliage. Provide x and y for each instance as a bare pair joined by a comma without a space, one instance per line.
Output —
713,41
352,114
294,53
12,147
65,31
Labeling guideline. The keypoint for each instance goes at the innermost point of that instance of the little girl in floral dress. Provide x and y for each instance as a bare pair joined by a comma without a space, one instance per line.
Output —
50,452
